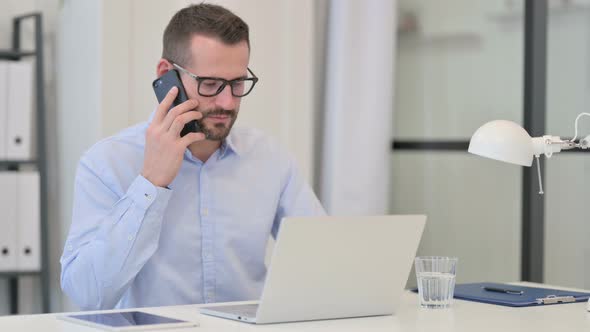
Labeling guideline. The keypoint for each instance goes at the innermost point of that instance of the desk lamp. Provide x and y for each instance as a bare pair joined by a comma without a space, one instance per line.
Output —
508,142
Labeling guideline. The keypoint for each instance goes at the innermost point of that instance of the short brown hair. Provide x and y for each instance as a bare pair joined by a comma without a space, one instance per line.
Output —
204,19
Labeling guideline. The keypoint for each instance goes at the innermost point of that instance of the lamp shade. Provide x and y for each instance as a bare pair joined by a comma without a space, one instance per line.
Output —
503,140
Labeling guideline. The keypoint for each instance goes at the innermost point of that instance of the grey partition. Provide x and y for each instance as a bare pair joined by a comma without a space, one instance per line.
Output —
461,66
568,174
473,208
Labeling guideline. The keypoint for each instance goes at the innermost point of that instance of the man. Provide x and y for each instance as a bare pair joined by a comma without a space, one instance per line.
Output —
161,219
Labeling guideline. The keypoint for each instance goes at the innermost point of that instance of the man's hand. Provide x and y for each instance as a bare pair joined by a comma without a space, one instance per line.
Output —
164,148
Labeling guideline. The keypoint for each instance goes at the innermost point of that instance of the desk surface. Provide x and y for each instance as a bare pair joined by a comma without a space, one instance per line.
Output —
463,316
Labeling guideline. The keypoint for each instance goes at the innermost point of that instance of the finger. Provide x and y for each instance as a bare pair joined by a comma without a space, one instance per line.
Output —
182,120
165,105
188,105
190,138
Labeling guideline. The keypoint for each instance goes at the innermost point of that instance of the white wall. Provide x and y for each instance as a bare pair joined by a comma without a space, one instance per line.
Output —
283,104
80,99
359,86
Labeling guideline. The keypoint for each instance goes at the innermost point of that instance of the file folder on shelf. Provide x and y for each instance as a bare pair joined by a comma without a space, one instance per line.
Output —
516,296
3,107
8,221
28,230
19,138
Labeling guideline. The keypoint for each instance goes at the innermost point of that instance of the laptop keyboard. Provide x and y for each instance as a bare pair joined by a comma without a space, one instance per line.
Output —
248,310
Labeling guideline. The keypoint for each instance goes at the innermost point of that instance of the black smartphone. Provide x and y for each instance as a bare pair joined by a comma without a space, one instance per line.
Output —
162,86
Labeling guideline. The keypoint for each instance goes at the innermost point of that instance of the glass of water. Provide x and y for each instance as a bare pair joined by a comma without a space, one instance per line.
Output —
436,280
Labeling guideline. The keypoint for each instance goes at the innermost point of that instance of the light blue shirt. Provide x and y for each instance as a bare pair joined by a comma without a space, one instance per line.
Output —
132,244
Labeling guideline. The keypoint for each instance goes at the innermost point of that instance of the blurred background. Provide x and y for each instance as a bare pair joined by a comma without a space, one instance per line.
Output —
376,99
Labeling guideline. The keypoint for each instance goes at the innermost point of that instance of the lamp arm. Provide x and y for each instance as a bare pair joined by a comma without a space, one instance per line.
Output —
548,145
563,145
576,126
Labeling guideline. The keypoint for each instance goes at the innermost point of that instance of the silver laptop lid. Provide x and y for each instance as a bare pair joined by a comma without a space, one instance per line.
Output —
334,267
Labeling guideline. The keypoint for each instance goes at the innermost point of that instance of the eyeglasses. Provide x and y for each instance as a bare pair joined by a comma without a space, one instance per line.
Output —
212,86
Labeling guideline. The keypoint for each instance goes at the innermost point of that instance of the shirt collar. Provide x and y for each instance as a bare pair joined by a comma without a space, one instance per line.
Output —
228,144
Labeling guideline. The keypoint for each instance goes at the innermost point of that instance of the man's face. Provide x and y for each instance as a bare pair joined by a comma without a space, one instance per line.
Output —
213,58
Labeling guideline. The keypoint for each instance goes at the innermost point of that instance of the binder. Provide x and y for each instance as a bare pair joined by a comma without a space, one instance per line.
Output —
3,107
19,139
516,296
28,230
8,221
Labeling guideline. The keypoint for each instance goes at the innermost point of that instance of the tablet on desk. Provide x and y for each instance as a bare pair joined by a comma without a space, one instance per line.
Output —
127,321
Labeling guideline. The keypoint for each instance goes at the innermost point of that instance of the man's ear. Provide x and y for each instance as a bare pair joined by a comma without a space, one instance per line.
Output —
163,67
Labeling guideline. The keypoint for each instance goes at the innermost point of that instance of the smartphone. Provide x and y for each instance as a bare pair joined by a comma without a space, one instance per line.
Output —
162,86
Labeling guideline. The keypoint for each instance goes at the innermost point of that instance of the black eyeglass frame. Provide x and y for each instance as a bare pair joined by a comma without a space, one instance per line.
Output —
200,79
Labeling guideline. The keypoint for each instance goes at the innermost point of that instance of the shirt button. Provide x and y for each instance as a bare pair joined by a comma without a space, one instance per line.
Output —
130,238
148,197
70,248
205,212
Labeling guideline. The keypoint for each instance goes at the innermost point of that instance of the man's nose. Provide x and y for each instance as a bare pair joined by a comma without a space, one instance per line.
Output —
225,99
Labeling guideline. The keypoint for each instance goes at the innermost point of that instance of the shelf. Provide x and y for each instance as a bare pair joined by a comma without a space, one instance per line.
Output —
17,162
11,274
556,9
12,55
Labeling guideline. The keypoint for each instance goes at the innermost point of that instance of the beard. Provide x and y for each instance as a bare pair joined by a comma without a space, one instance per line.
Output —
217,131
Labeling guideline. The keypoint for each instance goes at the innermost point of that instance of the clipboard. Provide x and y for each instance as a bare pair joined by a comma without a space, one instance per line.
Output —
516,296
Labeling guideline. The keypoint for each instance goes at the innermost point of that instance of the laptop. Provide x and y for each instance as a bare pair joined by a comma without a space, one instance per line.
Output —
333,267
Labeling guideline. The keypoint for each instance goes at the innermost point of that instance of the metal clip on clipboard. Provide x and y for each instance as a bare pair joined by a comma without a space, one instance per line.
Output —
552,299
